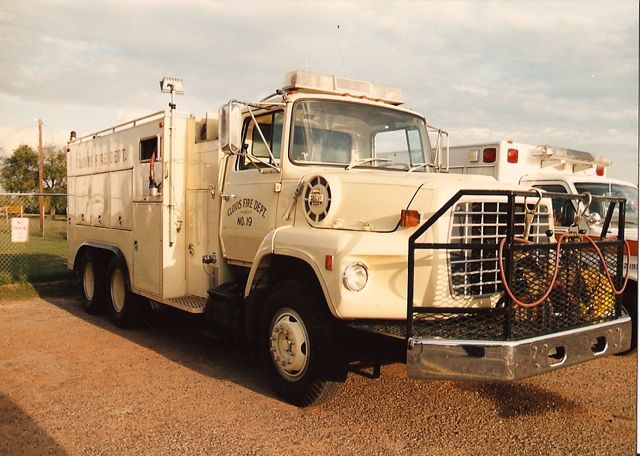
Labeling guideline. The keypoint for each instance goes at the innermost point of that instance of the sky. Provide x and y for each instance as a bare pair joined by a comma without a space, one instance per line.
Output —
560,72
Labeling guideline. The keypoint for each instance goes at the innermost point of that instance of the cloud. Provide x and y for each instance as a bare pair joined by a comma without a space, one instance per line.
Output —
545,71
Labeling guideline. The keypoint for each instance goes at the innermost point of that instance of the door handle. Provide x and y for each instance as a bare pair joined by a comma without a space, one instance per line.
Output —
227,196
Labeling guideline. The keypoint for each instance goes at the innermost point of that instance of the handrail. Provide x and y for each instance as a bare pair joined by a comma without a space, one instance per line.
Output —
113,129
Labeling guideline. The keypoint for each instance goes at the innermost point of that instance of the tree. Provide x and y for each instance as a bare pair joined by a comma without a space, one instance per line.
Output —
55,169
55,176
19,173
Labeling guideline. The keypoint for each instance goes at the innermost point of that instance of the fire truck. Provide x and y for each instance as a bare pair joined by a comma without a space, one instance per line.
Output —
560,170
319,214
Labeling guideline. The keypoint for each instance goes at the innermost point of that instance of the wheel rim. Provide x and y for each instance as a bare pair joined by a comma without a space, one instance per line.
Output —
118,291
289,344
88,281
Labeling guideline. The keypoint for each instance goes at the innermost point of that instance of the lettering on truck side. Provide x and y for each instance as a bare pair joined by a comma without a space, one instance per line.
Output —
245,207
104,158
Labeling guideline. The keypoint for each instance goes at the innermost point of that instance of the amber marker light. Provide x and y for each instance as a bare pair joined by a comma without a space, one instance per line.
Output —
409,218
328,262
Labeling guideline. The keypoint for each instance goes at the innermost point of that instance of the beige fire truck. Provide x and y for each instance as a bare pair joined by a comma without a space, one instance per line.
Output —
317,215
559,170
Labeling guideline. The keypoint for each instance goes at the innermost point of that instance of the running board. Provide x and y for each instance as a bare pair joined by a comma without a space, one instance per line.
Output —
191,304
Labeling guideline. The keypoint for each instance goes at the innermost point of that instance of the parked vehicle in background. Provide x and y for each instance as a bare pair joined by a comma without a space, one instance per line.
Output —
560,170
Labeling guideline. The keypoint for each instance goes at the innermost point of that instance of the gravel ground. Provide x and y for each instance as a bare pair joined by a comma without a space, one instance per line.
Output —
71,383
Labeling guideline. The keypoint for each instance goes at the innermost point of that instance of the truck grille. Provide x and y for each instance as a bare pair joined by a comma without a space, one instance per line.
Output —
474,271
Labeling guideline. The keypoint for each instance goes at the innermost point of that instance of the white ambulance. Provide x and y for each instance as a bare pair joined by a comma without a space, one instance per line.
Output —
558,170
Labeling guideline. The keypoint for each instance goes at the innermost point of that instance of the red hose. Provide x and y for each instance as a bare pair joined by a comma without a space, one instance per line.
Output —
504,279
556,267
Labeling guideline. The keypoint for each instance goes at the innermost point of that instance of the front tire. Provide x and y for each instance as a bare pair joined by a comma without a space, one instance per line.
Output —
298,337
120,301
93,284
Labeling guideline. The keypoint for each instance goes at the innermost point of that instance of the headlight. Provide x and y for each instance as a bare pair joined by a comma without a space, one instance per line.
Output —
355,277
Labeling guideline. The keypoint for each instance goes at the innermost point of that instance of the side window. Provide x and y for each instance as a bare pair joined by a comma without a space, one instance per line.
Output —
254,147
563,210
148,147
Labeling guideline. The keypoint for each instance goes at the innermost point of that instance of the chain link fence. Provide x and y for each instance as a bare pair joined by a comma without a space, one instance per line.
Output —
32,249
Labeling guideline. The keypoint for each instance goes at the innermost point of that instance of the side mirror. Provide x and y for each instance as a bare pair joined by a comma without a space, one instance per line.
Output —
230,128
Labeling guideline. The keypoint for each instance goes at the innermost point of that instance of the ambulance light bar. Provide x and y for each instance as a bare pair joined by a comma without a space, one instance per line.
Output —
570,156
320,83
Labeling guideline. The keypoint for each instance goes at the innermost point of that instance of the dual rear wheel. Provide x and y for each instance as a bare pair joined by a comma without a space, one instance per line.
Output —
93,284
106,286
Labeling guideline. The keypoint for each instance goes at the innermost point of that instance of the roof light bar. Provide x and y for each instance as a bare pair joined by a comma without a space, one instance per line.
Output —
306,81
570,155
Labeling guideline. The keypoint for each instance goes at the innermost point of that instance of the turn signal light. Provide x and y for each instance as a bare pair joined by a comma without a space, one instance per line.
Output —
409,218
600,171
489,155
512,155
328,262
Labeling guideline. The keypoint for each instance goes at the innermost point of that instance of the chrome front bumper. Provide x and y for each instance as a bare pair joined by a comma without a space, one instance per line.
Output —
441,359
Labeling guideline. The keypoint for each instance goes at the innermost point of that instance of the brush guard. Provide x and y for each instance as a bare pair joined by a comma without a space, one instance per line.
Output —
581,318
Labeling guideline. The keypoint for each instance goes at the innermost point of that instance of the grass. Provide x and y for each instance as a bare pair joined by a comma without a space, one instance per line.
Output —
40,259
26,290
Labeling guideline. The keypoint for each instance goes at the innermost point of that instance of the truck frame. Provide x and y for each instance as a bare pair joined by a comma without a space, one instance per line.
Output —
319,212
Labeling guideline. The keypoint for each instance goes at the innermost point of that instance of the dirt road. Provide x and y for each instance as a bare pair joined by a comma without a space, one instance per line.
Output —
71,383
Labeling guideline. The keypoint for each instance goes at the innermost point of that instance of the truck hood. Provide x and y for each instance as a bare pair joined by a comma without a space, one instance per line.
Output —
372,200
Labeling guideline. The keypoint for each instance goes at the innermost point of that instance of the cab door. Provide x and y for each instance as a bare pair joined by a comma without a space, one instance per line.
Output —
251,188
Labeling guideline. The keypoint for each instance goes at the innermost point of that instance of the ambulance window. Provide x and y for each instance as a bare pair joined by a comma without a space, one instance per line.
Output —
563,210
253,144
147,148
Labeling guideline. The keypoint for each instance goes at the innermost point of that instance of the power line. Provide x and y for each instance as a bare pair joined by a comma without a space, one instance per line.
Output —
22,128
54,133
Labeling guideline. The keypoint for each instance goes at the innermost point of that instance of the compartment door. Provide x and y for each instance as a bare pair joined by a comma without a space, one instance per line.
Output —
147,248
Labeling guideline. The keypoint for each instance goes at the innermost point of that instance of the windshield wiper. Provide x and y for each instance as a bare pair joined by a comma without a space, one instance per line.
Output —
421,165
362,161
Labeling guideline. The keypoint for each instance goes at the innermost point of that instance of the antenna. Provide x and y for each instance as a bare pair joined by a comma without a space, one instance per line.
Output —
340,51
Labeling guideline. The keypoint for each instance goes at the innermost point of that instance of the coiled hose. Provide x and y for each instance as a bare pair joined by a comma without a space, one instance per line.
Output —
552,282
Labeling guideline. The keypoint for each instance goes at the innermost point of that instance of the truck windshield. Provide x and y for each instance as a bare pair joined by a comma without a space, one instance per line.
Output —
341,133
607,189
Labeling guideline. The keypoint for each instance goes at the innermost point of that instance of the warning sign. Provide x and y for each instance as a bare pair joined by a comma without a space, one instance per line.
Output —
19,229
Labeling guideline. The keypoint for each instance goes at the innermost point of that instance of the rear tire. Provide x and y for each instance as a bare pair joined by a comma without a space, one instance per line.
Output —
123,309
297,345
93,284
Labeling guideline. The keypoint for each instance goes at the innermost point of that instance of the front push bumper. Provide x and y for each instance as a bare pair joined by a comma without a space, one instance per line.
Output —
480,360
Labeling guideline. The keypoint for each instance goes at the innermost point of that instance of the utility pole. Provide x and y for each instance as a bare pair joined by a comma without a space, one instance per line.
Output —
40,177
